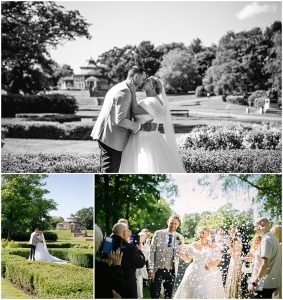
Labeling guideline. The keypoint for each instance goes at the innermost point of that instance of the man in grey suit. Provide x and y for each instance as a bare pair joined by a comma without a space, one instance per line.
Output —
32,243
114,123
166,247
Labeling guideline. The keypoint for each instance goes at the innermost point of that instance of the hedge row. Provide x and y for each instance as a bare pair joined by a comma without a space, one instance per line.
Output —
53,103
196,161
47,130
48,280
232,161
242,100
78,257
233,137
50,163
15,244
25,236
61,118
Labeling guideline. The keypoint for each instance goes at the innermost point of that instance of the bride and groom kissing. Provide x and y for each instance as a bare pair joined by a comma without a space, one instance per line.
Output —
39,250
127,130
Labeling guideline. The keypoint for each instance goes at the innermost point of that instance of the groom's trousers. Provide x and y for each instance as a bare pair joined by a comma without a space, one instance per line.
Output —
110,159
32,252
168,276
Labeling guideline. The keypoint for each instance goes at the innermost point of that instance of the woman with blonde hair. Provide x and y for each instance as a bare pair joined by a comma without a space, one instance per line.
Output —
151,151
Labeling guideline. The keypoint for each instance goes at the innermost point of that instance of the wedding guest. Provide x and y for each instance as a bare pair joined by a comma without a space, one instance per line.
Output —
277,232
165,250
132,259
125,221
109,271
221,239
267,269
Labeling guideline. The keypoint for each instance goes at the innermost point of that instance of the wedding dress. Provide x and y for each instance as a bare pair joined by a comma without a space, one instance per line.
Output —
198,282
42,254
151,151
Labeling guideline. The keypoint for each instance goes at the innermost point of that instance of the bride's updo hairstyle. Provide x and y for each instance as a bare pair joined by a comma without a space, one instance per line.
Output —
156,84
203,228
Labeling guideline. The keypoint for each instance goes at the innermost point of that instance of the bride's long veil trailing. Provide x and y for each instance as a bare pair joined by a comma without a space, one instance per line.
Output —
169,129
44,242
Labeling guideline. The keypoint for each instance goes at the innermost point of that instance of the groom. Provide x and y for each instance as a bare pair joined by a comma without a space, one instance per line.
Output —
114,123
32,242
165,250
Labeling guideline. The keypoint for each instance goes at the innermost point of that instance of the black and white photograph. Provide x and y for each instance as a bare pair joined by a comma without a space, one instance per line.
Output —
141,87
188,236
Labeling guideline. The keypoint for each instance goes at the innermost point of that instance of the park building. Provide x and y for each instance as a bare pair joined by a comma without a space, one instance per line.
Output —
71,223
91,78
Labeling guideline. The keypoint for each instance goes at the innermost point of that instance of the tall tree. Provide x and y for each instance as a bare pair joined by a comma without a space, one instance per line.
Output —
85,216
24,205
134,197
29,30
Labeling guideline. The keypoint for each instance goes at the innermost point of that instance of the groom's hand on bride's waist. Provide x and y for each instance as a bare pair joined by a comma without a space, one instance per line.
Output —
149,126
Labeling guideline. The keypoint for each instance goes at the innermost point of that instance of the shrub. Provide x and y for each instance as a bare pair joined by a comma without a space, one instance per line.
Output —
25,236
259,102
48,280
242,100
49,245
256,94
4,132
50,163
232,161
61,118
200,91
53,103
47,130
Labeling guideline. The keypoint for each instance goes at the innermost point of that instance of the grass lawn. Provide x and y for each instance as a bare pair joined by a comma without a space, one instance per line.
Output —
8,291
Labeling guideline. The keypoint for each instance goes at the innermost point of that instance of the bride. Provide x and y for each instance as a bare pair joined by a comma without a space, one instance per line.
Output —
202,279
150,151
41,251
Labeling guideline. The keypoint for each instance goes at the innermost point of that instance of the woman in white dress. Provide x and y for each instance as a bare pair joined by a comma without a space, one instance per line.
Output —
202,279
41,251
151,151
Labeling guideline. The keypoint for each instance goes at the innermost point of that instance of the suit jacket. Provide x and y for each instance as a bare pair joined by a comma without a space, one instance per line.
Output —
33,239
158,246
132,259
114,124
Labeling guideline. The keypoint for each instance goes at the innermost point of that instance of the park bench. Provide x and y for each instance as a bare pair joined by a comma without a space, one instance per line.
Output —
180,112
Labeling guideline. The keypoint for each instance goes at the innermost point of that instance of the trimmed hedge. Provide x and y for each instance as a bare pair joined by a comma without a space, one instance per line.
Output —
48,280
242,100
47,130
61,118
78,257
49,245
53,103
232,161
50,163
196,161
261,95
25,236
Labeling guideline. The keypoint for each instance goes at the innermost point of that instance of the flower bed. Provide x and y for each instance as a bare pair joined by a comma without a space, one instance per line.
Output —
48,280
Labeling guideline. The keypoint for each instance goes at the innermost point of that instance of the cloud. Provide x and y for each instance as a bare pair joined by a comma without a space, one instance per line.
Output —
255,8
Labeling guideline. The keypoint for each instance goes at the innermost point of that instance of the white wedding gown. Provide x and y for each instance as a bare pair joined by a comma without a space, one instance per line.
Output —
148,151
199,283
42,254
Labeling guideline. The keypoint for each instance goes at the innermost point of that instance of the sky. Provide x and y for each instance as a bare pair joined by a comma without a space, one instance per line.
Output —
71,192
193,198
121,23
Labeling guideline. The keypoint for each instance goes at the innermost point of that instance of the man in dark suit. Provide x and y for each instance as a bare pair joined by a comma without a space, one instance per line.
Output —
132,259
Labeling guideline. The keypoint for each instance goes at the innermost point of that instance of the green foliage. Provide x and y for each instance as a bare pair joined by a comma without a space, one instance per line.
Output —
261,95
4,132
134,197
85,216
238,99
48,130
201,91
26,40
53,103
179,71
24,206
48,280
50,117
232,161
24,236
51,163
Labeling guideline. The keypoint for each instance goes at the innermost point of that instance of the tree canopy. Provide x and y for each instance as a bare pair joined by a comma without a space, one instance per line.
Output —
85,216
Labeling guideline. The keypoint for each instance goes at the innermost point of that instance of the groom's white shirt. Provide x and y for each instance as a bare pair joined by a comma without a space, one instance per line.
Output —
158,249
114,124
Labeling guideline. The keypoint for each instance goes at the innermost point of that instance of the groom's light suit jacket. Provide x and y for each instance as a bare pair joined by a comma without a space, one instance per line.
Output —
114,123
33,239
158,246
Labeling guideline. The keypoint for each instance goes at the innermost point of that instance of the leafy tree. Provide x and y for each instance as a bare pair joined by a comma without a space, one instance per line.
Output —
85,216
196,46
134,197
179,71
29,30
165,48
54,221
204,59
189,224
24,205
60,71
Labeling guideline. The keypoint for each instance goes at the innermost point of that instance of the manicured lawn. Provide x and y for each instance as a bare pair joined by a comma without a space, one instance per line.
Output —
8,291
